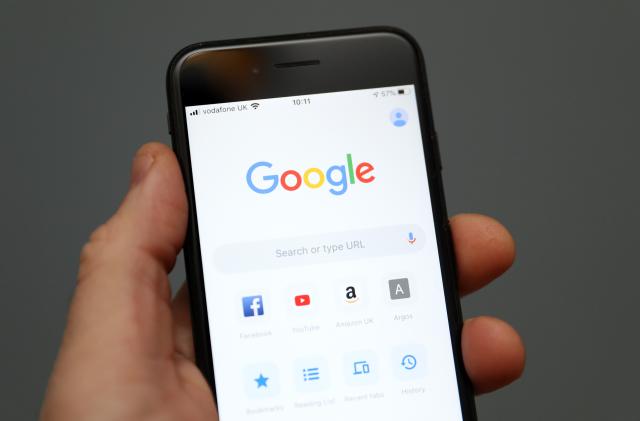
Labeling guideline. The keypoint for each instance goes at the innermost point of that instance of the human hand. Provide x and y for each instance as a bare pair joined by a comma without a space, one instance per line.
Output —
127,351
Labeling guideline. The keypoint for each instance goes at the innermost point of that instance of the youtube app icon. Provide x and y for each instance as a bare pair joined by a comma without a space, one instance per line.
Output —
302,300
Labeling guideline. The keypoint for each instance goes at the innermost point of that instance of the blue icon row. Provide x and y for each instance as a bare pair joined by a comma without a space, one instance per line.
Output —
311,375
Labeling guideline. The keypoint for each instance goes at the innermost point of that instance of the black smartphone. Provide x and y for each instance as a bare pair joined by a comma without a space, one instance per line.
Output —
319,258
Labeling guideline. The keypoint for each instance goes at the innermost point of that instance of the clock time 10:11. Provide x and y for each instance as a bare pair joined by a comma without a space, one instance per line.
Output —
301,101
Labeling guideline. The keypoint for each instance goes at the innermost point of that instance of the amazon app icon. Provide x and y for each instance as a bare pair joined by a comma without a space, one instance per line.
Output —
351,295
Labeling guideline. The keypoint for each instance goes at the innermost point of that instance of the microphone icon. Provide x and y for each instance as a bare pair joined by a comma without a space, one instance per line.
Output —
411,239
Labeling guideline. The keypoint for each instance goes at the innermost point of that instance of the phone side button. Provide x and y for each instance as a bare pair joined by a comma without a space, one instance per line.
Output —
436,150
169,125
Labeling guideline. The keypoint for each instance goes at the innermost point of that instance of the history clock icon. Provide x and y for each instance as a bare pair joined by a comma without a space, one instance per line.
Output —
409,362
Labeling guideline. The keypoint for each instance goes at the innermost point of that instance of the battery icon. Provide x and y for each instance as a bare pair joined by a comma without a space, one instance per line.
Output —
401,92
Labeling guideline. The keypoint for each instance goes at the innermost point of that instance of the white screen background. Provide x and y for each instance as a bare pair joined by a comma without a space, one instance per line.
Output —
320,134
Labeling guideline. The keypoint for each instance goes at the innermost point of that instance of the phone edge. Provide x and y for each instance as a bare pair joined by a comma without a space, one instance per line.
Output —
193,264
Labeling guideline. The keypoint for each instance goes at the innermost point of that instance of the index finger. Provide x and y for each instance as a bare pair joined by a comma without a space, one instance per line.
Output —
484,250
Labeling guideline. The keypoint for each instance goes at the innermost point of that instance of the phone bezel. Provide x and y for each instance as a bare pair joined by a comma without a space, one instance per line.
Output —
179,97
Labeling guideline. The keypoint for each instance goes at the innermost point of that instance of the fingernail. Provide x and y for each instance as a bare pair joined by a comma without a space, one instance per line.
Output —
141,165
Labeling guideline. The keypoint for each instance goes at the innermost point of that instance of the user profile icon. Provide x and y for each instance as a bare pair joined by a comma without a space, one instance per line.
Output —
399,117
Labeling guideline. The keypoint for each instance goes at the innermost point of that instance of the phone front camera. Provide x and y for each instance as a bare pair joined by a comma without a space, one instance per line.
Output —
255,70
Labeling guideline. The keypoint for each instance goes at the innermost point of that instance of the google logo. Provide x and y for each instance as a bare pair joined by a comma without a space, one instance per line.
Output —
338,176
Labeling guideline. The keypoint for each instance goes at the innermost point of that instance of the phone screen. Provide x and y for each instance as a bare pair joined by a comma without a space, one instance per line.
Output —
321,270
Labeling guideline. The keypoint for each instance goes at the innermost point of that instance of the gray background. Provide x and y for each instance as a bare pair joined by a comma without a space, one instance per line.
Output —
537,108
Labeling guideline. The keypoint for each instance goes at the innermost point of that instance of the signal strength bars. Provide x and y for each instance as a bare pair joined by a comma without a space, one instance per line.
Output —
194,112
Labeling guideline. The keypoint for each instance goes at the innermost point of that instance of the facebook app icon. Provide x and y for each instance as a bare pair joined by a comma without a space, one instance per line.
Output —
252,306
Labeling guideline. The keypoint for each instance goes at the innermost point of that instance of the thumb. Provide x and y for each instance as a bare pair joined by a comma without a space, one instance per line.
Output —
123,295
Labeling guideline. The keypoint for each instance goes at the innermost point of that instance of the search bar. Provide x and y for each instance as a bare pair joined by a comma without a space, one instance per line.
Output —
318,249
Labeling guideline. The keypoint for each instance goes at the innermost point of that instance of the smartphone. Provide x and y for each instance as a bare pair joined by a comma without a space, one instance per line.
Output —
319,258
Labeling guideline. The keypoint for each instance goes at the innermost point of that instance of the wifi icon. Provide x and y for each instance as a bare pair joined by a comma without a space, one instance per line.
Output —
255,105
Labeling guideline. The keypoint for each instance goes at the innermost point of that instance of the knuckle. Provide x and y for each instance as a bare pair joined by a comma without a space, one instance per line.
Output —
100,233
104,257
92,251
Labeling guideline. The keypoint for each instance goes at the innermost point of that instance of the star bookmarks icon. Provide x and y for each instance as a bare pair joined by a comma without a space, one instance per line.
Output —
261,381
